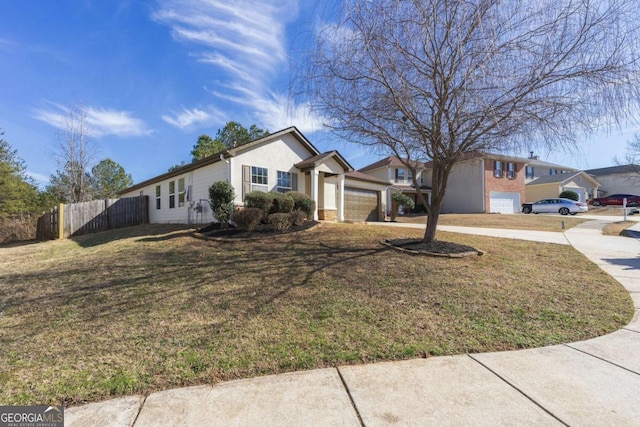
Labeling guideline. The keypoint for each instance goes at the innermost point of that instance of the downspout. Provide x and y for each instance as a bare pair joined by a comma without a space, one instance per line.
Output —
484,188
228,167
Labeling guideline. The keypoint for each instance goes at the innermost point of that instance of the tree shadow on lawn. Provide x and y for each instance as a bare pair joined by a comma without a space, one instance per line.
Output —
247,276
160,231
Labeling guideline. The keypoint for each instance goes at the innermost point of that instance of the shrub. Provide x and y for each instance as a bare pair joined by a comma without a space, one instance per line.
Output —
399,199
221,197
247,218
568,194
260,200
15,230
298,217
281,221
281,202
302,202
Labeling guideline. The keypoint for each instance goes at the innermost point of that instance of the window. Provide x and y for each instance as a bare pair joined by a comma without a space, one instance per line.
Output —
399,174
409,175
259,178
284,182
529,172
158,194
497,169
511,170
181,192
259,175
553,171
172,194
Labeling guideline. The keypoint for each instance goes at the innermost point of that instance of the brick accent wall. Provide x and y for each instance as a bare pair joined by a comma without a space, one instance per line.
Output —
328,214
511,185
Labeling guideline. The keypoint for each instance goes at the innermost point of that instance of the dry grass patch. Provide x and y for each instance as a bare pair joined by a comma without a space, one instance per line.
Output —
514,222
616,228
149,308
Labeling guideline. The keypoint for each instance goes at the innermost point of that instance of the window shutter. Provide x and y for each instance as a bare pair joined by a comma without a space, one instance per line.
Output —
294,182
246,180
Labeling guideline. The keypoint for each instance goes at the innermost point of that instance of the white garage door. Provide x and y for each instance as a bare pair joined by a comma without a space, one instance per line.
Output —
502,202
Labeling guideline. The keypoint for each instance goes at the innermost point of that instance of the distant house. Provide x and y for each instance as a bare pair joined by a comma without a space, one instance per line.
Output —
480,182
393,171
623,179
283,161
549,186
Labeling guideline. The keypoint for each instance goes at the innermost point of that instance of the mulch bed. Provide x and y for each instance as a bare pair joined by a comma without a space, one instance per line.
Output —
436,248
261,231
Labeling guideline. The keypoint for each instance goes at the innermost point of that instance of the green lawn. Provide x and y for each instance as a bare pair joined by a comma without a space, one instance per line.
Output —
149,308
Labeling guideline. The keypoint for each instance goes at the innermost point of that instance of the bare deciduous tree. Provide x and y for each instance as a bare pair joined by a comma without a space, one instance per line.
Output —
433,80
75,154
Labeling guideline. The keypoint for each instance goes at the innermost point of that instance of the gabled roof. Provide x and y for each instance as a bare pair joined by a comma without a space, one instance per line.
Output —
214,158
359,176
562,178
318,159
505,158
614,170
388,161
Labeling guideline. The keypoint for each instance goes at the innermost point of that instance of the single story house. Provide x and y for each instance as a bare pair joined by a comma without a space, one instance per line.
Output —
623,179
549,186
283,161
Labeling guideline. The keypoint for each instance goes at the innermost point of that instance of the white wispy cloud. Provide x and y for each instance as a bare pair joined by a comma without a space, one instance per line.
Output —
245,43
100,121
189,118
40,179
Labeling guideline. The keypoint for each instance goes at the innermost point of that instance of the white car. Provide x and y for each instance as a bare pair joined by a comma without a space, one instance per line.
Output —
561,206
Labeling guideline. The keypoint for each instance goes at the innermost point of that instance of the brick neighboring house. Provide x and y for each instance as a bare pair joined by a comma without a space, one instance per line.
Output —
484,183
479,183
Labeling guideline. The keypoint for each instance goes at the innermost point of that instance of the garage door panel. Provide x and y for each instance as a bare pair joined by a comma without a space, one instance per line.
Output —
360,205
504,202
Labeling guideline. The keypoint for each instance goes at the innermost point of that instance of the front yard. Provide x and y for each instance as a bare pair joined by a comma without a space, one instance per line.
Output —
148,308
542,222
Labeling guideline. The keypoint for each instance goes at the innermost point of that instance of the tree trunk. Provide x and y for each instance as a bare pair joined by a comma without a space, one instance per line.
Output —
432,225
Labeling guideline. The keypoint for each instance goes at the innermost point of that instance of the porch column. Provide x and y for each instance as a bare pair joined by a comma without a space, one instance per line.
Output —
341,198
314,192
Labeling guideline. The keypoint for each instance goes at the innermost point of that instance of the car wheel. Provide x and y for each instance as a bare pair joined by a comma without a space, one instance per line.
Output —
564,211
596,203
526,210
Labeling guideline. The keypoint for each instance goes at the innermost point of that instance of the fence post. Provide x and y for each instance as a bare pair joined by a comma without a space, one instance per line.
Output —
60,221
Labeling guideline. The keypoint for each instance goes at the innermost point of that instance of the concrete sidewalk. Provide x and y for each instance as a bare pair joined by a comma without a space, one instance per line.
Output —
591,383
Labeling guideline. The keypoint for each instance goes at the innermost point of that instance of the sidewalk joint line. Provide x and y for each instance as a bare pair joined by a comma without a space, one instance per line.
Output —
630,330
353,403
135,420
601,358
519,390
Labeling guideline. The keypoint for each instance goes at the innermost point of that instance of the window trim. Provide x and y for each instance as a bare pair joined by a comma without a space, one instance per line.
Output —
172,194
400,175
529,172
181,192
497,169
284,188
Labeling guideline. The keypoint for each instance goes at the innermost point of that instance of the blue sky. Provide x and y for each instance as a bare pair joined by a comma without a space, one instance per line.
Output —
153,75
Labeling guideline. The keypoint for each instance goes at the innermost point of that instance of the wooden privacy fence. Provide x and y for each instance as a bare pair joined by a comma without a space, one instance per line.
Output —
89,217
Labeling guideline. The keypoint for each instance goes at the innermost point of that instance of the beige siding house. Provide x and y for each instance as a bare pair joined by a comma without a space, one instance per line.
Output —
550,186
283,161
624,179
